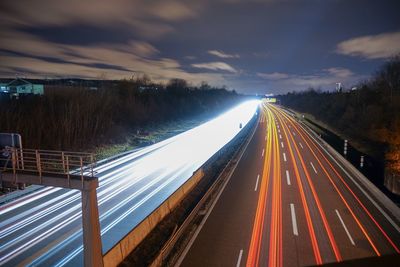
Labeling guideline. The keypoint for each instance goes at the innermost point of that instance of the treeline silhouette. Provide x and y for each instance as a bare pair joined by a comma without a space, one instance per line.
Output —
370,113
68,118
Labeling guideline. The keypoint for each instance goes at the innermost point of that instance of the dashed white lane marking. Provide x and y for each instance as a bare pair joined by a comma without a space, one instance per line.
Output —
356,183
294,221
262,155
287,177
301,145
280,136
345,228
239,258
282,144
255,188
294,133
284,156
312,165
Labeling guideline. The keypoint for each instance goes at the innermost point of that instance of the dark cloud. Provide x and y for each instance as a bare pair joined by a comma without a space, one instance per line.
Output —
81,34
250,45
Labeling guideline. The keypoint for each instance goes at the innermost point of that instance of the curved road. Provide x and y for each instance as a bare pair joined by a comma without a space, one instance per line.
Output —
291,203
44,228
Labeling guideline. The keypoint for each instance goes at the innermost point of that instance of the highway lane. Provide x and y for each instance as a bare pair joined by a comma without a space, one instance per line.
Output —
371,224
44,228
219,242
307,210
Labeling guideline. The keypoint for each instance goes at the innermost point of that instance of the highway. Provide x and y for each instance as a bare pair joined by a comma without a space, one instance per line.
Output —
291,203
44,228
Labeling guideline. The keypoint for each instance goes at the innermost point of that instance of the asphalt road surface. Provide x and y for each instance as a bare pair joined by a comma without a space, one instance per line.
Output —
290,203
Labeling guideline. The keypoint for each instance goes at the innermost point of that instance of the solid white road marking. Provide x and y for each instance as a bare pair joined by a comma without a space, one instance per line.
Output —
214,202
287,177
255,188
345,228
262,155
284,156
312,165
282,144
356,183
294,221
301,145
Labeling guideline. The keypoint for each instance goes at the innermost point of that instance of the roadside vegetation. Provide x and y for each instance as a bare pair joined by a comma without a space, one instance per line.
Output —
108,120
369,114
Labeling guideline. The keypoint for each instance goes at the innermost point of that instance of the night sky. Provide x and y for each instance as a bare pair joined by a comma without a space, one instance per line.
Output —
253,46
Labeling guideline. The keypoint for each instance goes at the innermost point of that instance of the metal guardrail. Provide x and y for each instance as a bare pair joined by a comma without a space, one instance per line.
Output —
48,162
204,203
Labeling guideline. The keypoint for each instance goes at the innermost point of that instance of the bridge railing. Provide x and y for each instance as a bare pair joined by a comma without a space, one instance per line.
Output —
71,170
48,161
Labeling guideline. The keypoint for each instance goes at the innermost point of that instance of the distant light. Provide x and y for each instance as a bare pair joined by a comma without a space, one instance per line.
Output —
197,145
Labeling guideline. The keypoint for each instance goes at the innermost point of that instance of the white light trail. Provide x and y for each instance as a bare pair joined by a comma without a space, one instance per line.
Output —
127,185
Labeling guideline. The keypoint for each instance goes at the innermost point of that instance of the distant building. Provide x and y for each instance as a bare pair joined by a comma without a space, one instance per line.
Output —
3,88
20,87
339,87
147,88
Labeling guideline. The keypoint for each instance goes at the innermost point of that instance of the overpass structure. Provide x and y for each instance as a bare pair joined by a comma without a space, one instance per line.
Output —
69,170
